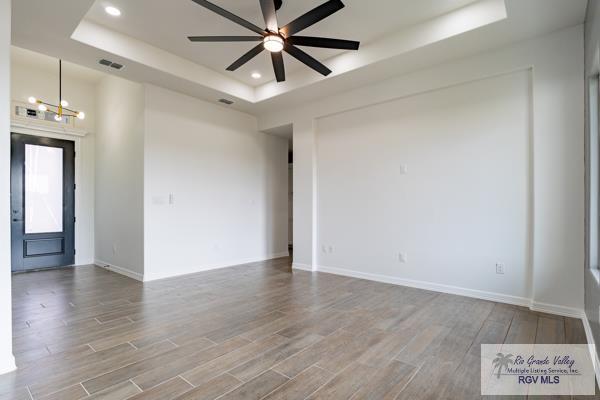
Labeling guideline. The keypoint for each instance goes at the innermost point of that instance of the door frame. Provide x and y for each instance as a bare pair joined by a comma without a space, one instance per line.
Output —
73,137
48,247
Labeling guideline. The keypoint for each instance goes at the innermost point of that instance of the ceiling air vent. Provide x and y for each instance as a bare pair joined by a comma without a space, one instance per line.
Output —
225,101
108,63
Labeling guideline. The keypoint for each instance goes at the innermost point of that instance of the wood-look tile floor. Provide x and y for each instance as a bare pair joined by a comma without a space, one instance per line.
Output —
256,331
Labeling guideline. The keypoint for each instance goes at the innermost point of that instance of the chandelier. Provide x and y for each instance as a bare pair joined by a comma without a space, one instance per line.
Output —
59,110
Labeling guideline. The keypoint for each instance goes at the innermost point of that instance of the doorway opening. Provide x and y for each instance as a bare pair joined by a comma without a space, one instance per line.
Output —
42,203
290,200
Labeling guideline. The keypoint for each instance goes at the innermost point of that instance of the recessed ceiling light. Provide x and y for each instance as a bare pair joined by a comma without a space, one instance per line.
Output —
256,75
114,11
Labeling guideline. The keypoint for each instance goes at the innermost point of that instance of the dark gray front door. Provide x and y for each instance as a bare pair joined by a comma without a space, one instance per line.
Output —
42,202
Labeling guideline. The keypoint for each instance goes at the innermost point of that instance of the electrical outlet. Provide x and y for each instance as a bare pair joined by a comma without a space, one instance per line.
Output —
403,169
500,268
403,257
324,248
330,249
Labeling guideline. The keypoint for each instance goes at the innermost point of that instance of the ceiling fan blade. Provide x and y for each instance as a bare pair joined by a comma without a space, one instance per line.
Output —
306,59
278,66
268,11
246,57
323,42
230,16
312,17
225,38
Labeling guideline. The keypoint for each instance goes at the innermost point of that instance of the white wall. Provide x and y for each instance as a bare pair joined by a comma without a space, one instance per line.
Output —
592,69
463,202
34,80
290,204
227,181
7,361
119,150
557,189
305,193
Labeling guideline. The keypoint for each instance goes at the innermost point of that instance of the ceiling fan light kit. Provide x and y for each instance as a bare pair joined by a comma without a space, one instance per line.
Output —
276,39
273,43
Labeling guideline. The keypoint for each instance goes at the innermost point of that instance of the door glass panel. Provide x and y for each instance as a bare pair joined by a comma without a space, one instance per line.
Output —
43,189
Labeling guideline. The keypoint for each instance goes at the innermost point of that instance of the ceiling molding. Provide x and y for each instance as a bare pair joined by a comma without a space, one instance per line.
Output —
430,34
454,23
467,18
128,48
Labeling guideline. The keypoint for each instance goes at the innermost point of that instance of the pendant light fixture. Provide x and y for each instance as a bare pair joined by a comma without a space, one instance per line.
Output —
61,109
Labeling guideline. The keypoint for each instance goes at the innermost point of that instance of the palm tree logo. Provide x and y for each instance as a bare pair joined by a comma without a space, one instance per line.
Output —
502,361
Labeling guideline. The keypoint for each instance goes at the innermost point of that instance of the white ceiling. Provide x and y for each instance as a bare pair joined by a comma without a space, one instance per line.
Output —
398,36
50,64
166,25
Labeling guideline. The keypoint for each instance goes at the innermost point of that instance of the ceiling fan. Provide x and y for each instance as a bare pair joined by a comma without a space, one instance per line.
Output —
276,39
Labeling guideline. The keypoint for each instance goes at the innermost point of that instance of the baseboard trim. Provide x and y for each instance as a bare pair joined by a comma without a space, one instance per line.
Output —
148,277
557,310
591,346
120,270
302,267
437,287
8,364
278,255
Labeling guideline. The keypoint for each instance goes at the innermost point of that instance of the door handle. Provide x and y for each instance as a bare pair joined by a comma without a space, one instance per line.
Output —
17,220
